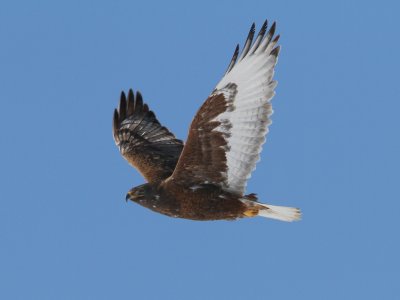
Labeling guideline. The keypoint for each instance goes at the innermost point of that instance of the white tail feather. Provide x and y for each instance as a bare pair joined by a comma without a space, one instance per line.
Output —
283,213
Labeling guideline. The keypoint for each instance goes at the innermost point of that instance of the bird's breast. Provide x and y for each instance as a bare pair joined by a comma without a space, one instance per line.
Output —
198,202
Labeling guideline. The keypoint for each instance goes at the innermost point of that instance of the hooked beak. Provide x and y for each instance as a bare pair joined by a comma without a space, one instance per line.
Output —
133,195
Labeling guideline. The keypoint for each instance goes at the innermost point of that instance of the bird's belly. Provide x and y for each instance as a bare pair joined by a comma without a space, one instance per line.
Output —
203,207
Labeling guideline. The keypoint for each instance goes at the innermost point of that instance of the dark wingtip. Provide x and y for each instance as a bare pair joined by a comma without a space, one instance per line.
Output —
115,124
233,60
252,28
263,28
272,29
130,94
122,106
247,44
276,51
259,38
235,54
266,41
131,103
138,102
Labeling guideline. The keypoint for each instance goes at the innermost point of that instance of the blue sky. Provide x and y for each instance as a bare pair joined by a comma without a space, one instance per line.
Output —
333,150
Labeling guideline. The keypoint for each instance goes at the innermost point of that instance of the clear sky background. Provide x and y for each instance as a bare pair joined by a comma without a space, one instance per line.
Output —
333,150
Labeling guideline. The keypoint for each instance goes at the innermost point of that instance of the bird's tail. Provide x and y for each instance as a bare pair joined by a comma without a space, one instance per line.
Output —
282,213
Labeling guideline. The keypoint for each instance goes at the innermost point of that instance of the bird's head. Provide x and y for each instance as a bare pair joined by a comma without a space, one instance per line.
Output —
140,194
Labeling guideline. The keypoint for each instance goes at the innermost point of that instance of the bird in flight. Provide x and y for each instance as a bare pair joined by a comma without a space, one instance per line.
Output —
205,178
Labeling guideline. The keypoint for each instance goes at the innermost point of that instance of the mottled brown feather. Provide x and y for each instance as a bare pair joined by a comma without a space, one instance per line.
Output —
203,159
143,141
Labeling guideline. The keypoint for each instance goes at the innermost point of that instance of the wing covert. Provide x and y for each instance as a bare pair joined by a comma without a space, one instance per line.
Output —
203,159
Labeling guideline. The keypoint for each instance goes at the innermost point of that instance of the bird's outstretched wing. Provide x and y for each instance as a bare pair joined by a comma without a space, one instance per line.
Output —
143,141
227,133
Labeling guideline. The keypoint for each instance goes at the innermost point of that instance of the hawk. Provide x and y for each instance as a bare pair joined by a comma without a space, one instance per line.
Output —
205,178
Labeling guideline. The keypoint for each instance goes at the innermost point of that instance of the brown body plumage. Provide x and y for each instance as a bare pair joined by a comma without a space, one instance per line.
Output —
199,202
205,179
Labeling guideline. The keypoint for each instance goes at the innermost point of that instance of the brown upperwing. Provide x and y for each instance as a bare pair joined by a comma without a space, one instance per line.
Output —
203,159
147,145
